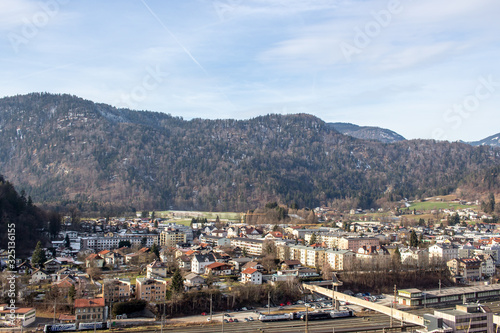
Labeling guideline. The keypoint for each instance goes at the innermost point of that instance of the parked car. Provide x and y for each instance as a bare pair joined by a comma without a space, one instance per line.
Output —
203,313
250,318
235,320
244,309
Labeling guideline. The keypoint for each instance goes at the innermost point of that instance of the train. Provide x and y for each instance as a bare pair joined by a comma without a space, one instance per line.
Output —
316,315
73,327
276,317
327,315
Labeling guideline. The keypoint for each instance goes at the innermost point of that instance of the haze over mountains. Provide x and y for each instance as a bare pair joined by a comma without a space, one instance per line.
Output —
64,149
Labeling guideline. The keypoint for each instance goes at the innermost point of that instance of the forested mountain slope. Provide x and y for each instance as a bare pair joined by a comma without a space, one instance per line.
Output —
61,148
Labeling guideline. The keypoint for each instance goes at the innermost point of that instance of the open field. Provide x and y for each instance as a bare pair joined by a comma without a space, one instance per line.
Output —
431,205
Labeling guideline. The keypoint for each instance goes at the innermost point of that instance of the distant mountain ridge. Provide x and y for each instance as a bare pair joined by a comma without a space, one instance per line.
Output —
66,150
492,140
367,132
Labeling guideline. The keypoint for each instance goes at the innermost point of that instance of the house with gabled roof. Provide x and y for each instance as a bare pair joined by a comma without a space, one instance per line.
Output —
39,275
253,264
52,265
25,268
200,261
219,268
251,275
193,280
94,260
184,262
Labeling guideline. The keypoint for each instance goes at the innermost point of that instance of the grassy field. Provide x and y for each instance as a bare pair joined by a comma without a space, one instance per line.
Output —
183,222
430,205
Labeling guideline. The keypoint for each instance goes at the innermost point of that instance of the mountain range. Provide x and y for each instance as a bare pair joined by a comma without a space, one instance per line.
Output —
64,150
367,132
493,140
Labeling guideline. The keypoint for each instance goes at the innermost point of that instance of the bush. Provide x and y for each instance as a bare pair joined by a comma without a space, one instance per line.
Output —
128,307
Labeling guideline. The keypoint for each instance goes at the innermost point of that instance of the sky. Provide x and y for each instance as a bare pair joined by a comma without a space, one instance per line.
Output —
426,69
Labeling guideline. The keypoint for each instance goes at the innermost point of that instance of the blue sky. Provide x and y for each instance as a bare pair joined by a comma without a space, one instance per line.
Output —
425,69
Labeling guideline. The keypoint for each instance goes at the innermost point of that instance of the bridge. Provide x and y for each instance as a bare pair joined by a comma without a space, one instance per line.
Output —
391,312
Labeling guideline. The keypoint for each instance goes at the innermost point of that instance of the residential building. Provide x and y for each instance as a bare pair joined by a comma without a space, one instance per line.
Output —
156,269
114,259
94,260
355,243
248,245
112,241
339,260
465,268
238,263
150,290
193,280
308,255
414,257
184,262
24,268
215,240
218,268
443,252
39,275
251,275
52,265
116,290
200,261
20,316
487,265
89,310
170,238
253,264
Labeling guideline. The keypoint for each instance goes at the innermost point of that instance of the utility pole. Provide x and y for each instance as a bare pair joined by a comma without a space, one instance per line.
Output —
269,302
307,319
210,307
392,307
54,320
395,291
223,322
163,316
440,286
392,311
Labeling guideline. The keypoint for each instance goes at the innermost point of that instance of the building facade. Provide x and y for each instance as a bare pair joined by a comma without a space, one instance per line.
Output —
151,290
89,310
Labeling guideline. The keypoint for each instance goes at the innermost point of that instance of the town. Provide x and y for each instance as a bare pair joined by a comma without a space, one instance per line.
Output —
157,268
